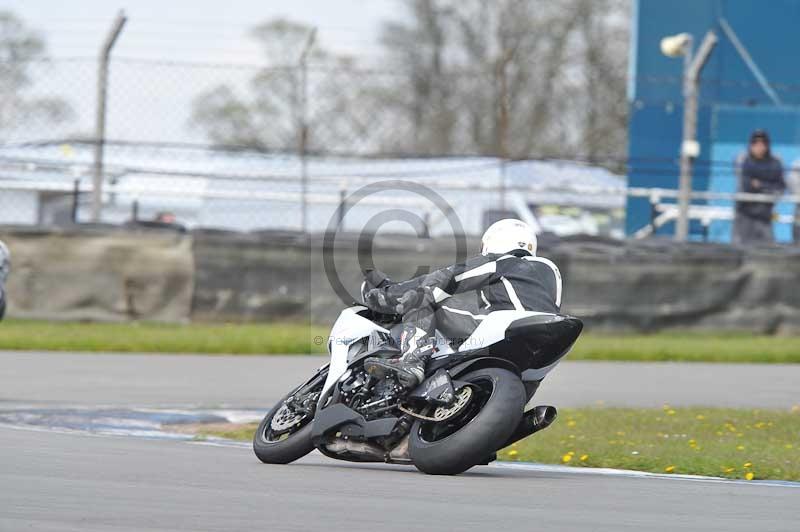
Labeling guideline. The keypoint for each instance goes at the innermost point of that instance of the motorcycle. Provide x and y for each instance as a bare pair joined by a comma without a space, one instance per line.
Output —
470,405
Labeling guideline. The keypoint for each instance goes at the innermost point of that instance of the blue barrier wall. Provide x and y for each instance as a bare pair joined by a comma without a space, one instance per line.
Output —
732,102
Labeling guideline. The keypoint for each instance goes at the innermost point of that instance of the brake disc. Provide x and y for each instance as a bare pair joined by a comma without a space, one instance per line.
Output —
284,419
462,399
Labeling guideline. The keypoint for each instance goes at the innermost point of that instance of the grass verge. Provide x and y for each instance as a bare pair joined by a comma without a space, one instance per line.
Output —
241,339
689,347
743,444
294,338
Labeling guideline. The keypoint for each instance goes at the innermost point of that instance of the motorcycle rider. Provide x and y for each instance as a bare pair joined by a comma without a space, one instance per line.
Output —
507,275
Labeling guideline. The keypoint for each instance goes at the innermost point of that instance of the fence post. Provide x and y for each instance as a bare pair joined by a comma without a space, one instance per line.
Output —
76,191
100,118
503,118
303,129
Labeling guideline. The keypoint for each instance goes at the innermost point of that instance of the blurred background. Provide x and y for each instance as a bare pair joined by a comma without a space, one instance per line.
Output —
158,162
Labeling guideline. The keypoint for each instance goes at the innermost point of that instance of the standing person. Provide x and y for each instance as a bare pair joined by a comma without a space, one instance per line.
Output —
759,172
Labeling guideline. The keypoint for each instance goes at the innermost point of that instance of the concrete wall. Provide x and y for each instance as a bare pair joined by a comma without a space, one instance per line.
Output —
115,275
99,275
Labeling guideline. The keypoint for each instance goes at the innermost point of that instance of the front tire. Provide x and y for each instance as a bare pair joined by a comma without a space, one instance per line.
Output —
291,444
449,450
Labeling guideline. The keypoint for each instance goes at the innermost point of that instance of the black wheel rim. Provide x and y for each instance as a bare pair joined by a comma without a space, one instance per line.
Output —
285,421
432,432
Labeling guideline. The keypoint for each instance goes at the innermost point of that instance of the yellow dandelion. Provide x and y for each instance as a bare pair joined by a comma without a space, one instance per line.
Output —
700,417
749,475
566,458
584,457
730,469
513,452
670,412
571,423
692,442
740,447
571,453
747,464
669,469
788,445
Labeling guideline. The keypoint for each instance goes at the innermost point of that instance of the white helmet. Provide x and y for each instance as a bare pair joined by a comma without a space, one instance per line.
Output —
508,235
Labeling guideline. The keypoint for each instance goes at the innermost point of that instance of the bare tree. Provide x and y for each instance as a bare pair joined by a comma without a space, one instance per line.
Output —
604,41
266,113
502,77
511,78
20,49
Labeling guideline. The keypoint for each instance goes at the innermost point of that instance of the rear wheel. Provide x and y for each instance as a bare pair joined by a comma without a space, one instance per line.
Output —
284,435
467,437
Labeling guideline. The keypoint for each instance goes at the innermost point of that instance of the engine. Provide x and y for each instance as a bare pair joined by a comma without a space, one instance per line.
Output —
370,397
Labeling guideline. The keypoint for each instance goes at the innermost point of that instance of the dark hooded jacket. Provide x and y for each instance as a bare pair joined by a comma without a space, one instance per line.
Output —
759,176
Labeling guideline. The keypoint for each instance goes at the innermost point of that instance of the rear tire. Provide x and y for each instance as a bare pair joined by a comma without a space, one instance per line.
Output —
481,435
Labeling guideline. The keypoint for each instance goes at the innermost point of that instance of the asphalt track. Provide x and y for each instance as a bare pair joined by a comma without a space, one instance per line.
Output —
259,381
68,481
51,481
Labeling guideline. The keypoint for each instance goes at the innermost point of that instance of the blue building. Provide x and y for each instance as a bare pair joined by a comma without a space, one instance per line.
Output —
752,80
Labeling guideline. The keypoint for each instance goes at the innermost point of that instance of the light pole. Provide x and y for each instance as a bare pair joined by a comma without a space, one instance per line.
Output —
677,46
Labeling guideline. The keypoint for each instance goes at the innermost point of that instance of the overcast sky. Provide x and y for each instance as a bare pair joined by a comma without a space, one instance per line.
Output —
198,30
153,102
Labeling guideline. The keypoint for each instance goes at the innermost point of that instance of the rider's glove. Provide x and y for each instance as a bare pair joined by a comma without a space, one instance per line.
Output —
376,300
411,299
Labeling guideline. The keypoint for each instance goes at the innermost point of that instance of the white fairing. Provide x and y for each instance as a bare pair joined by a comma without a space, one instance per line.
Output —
492,328
348,328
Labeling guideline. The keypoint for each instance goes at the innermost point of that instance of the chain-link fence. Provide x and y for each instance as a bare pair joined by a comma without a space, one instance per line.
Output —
254,148
285,148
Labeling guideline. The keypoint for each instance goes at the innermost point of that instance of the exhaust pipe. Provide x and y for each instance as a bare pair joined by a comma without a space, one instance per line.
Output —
533,421
365,449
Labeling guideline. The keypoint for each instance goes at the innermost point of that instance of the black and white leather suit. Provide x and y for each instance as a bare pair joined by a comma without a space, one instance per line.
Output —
500,282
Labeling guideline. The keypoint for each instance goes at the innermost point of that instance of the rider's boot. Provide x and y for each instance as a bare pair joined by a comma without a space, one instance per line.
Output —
409,368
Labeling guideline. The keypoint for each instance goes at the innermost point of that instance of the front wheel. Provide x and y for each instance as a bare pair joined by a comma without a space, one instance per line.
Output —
284,435
455,444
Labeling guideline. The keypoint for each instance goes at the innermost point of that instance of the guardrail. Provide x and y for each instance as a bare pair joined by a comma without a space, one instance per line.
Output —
76,182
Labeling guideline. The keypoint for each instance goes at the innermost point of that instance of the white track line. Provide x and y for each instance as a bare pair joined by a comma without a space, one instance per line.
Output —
629,473
523,466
